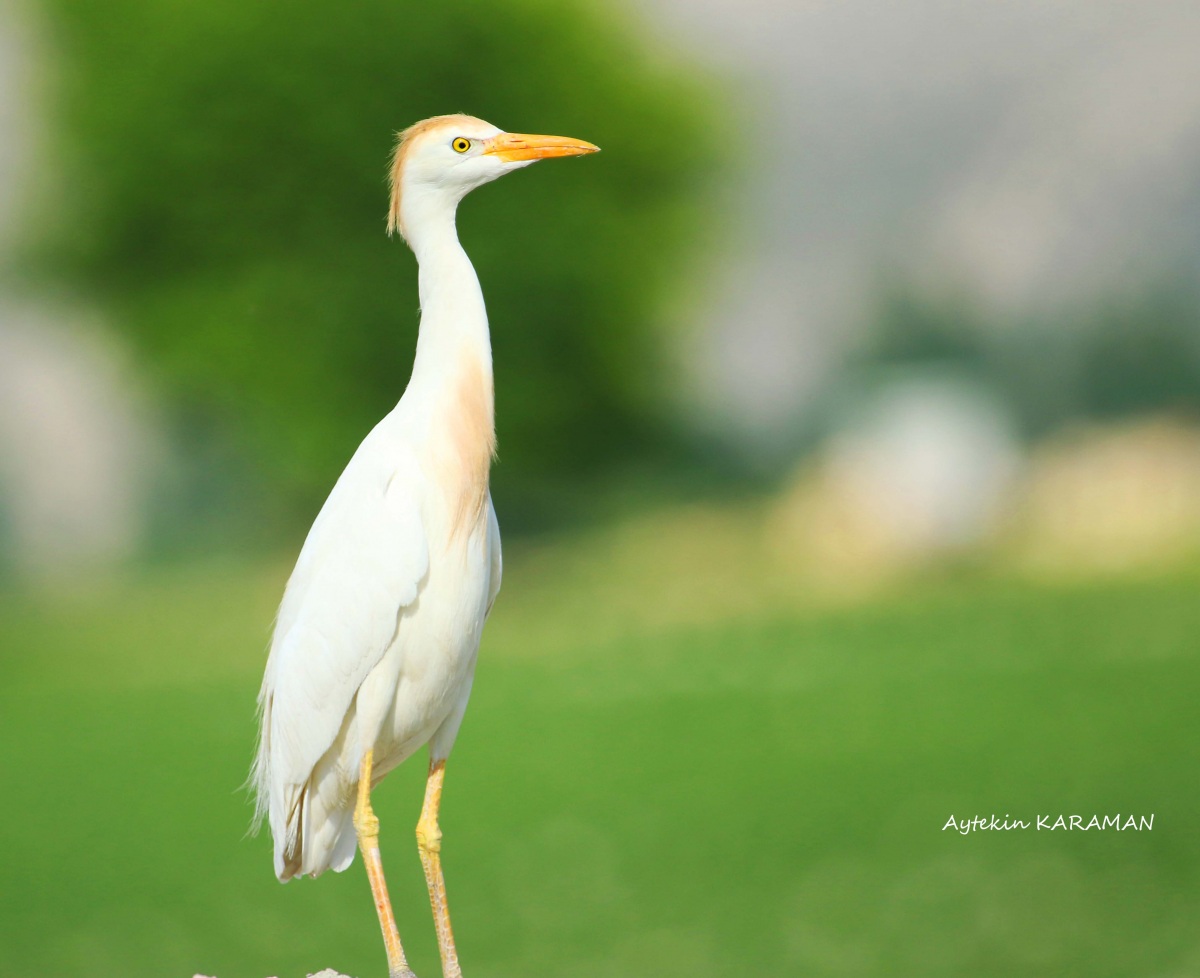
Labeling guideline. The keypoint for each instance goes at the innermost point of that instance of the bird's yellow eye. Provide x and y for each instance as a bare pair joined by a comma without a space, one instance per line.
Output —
461,144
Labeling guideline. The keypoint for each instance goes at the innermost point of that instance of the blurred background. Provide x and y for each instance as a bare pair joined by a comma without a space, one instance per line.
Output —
849,420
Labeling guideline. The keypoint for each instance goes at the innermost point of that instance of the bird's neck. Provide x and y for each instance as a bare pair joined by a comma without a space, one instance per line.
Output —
454,326
452,372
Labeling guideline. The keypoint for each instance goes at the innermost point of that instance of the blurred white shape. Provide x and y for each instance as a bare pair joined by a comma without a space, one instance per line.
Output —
921,469
73,446
927,460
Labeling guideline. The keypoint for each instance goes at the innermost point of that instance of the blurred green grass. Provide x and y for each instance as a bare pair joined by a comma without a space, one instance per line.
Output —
750,792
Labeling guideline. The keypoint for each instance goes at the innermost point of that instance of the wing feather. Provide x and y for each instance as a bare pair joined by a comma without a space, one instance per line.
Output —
362,564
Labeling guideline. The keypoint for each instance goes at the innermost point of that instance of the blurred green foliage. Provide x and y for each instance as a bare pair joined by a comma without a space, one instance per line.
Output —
224,198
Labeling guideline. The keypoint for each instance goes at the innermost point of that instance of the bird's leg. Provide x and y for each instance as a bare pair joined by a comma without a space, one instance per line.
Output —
367,827
429,842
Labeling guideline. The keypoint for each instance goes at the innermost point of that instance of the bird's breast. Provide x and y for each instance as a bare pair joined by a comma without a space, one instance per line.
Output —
463,444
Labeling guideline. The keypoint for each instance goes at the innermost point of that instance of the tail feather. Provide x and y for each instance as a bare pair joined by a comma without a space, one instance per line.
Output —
312,824
319,834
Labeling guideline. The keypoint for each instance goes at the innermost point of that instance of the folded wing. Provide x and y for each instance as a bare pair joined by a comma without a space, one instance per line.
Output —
362,564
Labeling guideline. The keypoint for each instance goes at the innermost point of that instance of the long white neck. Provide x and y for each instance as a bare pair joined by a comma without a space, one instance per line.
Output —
454,326
451,387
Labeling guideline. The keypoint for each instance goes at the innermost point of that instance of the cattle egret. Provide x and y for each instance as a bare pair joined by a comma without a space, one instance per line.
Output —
375,644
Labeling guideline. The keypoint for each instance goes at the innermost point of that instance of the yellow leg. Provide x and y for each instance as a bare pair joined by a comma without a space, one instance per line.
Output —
429,842
367,827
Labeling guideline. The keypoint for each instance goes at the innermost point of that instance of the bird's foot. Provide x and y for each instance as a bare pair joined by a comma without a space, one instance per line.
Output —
402,973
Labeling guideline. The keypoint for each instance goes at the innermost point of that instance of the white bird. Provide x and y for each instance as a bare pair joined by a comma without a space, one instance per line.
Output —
375,644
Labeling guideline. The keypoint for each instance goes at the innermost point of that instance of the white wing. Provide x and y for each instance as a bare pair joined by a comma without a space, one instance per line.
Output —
363,562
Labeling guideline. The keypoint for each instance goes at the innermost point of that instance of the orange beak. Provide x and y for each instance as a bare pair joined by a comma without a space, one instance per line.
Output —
513,147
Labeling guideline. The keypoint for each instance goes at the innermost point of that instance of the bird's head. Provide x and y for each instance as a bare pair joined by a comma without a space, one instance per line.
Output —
440,160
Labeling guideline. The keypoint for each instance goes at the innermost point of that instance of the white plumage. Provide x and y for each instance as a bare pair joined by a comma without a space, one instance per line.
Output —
374,649
357,660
